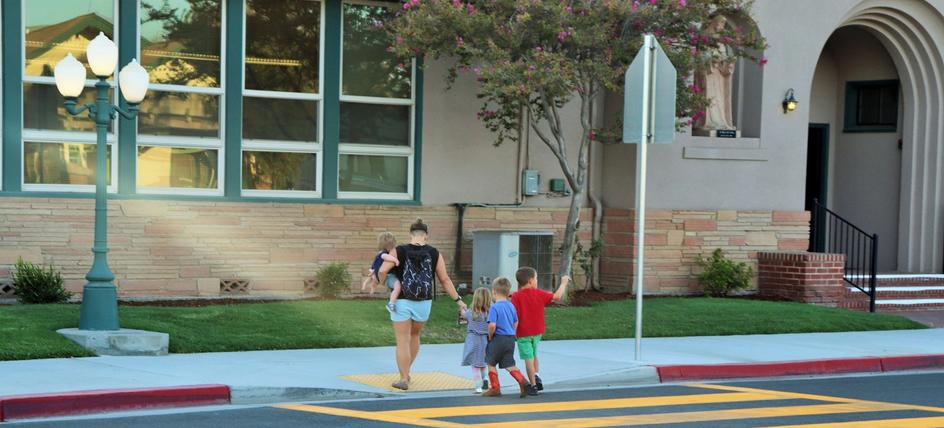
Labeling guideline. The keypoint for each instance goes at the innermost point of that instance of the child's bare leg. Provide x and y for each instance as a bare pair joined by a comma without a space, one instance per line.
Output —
531,366
395,293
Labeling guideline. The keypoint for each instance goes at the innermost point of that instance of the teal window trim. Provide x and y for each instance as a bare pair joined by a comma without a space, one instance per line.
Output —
127,129
12,168
331,98
418,129
202,198
850,110
234,10
235,21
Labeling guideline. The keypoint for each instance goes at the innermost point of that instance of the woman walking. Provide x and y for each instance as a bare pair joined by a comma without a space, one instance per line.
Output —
419,264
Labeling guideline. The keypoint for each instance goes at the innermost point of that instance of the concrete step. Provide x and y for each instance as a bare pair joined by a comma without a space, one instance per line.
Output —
906,292
905,280
860,301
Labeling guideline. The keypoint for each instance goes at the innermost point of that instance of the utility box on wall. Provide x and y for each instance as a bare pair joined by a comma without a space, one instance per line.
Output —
530,182
498,253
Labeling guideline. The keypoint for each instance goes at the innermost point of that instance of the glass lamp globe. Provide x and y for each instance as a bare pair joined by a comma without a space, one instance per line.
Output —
70,76
102,55
133,81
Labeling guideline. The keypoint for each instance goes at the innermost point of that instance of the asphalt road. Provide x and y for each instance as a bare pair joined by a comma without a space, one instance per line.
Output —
887,401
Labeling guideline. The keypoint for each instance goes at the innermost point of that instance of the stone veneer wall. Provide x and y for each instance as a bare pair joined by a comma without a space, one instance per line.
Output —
674,238
182,248
185,248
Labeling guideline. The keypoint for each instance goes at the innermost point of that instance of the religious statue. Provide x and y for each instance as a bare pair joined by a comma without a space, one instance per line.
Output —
716,81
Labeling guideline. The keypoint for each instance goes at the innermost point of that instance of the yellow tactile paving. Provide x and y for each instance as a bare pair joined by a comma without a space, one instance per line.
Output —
421,381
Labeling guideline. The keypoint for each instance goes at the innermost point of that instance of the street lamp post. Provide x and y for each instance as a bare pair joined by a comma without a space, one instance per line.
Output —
99,296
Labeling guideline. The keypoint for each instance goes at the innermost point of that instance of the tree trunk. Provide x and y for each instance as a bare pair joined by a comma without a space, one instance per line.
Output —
570,233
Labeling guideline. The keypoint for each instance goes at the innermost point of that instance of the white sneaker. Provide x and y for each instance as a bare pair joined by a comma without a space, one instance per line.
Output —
478,390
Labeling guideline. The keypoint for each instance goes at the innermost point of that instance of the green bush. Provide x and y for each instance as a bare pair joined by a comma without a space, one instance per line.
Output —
34,284
334,279
722,275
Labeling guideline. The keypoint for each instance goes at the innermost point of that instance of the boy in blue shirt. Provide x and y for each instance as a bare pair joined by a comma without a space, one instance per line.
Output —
502,323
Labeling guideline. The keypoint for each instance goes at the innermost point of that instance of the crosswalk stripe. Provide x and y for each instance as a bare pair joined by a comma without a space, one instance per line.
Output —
932,422
698,416
564,406
800,395
372,416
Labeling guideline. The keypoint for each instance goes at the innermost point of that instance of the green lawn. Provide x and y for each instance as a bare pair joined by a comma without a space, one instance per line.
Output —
29,331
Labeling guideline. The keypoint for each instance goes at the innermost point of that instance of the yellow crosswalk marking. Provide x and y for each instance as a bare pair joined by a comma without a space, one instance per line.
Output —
800,395
932,422
372,416
430,417
698,416
565,406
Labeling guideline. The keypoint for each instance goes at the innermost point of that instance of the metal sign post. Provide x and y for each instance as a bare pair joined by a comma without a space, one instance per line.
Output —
648,117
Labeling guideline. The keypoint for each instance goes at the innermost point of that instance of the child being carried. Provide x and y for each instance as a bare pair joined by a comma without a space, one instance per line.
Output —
386,242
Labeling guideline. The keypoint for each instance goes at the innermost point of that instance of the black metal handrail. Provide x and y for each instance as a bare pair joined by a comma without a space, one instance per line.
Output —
830,233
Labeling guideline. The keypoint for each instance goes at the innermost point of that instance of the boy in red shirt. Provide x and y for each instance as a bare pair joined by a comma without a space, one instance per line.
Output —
529,302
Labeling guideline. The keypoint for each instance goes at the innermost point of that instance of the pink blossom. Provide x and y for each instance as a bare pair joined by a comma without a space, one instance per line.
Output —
593,135
406,6
653,2
459,42
682,3
569,9
399,40
635,6
763,61
694,88
471,9
456,3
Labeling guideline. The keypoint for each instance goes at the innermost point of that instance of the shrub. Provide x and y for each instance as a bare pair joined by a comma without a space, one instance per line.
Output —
722,275
334,279
35,284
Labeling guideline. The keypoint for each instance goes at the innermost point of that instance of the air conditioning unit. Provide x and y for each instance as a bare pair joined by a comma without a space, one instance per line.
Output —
498,253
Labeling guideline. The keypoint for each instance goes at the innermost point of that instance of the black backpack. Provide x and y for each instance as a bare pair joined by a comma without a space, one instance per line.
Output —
418,264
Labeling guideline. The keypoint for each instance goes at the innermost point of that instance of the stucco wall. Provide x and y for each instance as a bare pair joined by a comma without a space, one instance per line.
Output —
865,168
460,162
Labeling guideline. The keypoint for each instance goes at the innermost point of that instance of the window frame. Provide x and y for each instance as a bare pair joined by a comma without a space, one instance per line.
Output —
40,136
265,145
851,107
217,143
370,149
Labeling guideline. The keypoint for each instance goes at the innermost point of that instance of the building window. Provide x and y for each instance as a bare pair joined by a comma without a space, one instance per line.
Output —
376,109
58,148
282,102
180,137
871,106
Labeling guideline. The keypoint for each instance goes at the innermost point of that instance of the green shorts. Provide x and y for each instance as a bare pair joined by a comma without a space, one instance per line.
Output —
528,346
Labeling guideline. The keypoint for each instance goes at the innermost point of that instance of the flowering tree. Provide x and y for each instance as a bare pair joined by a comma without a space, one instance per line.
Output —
538,55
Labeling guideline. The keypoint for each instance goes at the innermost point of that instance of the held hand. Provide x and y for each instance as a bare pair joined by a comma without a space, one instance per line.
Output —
462,306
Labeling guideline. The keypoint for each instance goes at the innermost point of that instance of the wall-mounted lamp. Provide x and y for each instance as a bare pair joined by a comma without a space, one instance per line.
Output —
789,102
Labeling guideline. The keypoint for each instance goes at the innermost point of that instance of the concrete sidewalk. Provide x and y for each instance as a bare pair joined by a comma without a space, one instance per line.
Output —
270,375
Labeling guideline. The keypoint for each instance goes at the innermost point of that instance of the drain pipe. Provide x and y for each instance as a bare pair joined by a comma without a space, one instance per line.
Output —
457,263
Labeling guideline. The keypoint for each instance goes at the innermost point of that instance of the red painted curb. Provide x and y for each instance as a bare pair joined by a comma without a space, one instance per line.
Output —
728,371
110,400
795,368
912,362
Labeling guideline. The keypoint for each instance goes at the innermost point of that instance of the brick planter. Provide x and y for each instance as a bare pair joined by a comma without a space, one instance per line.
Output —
802,277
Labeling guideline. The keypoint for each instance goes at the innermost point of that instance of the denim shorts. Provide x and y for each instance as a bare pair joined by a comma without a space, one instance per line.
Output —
416,310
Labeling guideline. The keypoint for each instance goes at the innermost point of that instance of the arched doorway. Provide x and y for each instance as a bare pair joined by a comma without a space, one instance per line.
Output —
878,88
